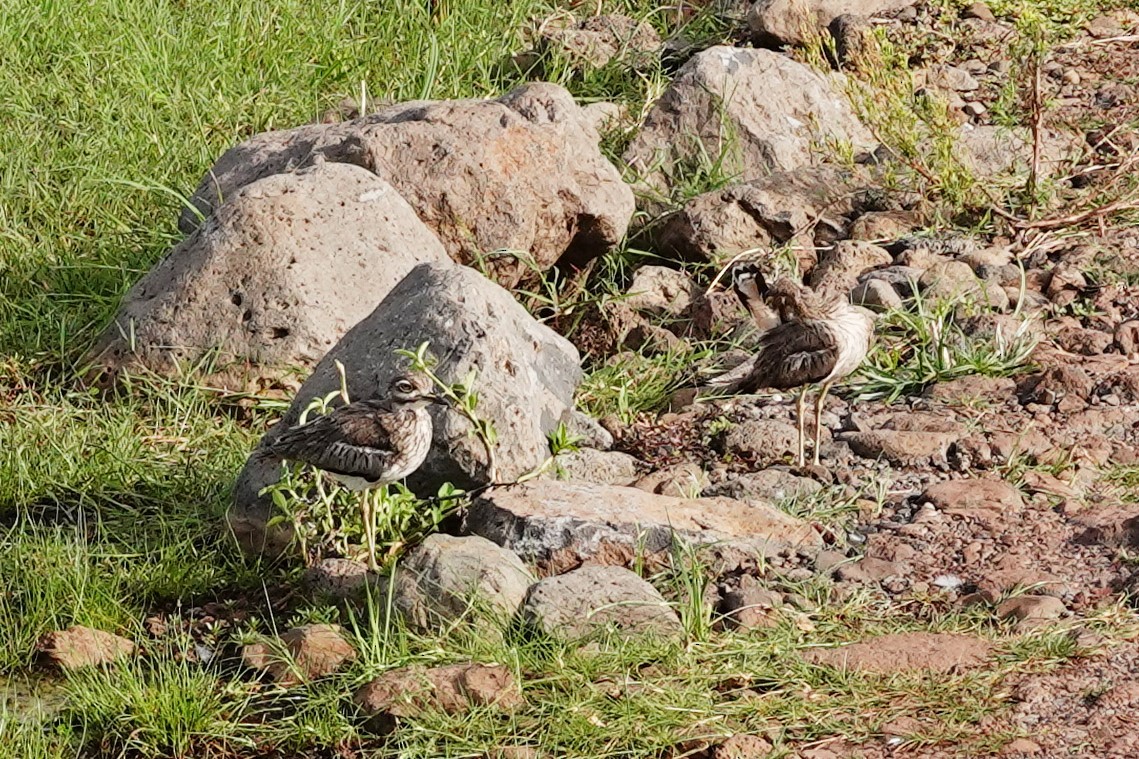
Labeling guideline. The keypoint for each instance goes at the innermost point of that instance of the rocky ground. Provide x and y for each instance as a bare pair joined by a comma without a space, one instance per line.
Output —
954,578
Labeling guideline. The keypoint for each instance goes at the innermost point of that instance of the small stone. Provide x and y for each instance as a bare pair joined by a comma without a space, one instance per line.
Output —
1127,337
446,578
1102,27
972,388
952,78
884,226
560,525
301,654
839,268
975,109
341,578
406,692
1022,608
765,485
827,561
595,598
1057,383
875,294
979,11
764,441
1071,76
684,480
659,290
78,647
1021,747
742,747
750,606
601,467
598,40
869,569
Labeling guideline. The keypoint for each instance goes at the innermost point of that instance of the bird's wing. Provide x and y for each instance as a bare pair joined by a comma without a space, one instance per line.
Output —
792,354
354,440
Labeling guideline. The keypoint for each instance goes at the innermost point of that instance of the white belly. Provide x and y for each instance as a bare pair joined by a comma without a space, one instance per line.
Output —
853,330
352,483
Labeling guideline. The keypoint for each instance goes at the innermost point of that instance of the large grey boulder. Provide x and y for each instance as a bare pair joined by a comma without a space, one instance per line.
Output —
507,184
793,22
599,599
757,109
446,578
526,377
560,525
280,272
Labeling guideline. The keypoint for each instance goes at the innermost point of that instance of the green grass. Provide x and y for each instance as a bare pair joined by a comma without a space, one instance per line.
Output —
923,343
111,507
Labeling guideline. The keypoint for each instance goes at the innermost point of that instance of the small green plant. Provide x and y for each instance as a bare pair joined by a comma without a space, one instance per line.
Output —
924,344
562,440
322,521
463,398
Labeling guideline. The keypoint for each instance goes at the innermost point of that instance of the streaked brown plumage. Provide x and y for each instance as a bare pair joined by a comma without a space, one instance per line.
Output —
368,443
814,339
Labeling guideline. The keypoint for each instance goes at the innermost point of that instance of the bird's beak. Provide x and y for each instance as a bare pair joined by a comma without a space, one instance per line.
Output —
436,399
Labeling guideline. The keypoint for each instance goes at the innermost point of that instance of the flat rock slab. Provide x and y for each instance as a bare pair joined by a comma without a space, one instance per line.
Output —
901,447
593,599
520,173
905,652
280,272
973,493
526,375
560,525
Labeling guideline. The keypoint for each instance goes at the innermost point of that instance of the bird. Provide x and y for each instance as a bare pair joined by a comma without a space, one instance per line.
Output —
806,338
367,444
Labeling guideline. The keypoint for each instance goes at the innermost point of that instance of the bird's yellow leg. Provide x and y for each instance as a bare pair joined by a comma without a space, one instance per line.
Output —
802,407
369,515
819,418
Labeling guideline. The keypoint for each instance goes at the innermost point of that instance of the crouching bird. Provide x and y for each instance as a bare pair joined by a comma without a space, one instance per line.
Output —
807,338
367,444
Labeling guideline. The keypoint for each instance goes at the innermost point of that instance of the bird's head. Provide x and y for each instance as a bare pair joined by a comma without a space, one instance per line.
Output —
413,389
748,282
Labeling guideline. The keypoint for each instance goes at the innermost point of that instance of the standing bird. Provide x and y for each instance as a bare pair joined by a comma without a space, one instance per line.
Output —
367,444
814,339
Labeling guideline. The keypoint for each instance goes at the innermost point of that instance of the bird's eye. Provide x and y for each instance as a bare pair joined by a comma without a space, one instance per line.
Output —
404,386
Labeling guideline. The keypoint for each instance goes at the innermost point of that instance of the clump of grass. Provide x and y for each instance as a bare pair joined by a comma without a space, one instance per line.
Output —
152,707
922,344
633,383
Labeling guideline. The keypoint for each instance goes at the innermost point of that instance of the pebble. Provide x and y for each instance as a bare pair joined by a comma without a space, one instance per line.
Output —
975,108
979,10
1071,76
